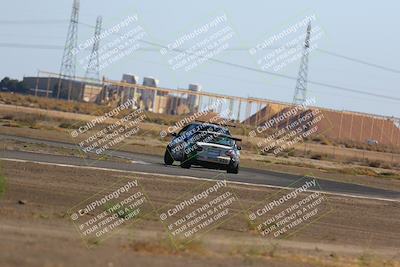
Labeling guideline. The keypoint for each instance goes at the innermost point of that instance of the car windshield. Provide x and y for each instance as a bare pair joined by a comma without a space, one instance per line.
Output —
191,130
186,129
213,128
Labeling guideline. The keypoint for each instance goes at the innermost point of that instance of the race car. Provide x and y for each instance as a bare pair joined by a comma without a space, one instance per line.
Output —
204,144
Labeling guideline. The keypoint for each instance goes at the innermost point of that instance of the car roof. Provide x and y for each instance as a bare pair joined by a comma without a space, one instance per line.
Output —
212,125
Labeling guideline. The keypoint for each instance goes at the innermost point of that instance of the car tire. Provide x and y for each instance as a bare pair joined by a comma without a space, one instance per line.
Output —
233,168
185,163
168,159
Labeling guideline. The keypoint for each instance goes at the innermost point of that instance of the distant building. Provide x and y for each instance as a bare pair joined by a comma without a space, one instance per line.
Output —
130,78
193,100
91,93
63,88
177,105
130,92
149,96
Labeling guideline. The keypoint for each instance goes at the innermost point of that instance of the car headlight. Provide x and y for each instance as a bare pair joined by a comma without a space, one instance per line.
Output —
230,153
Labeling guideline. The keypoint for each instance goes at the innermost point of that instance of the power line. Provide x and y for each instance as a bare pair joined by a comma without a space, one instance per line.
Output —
34,46
342,88
359,61
31,21
232,65
334,54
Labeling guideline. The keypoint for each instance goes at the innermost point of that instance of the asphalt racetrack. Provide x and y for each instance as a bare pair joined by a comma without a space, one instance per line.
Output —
154,165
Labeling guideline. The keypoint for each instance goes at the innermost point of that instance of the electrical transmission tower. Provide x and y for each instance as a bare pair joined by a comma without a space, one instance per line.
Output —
93,68
301,84
68,63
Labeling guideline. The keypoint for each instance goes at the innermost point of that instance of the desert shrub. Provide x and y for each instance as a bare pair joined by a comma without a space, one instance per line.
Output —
387,166
291,153
321,139
8,117
374,163
67,125
358,171
326,142
316,139
12,124
316,156
387,174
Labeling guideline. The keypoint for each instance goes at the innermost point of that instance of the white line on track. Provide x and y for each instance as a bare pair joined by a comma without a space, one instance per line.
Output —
194,178
139,162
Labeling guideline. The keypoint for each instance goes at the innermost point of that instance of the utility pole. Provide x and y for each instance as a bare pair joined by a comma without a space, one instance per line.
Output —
93,67
301,84
68,62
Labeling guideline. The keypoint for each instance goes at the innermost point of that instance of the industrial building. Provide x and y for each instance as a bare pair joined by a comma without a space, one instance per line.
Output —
193,101
61,88
155,100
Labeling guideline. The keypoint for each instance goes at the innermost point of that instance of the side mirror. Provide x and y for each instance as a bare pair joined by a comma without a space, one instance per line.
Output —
239,147
174,134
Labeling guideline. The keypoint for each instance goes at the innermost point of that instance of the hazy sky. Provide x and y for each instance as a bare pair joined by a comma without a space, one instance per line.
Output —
365,30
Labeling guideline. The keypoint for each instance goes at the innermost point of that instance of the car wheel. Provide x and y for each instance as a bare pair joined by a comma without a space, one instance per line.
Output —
233,168
185,163
168,159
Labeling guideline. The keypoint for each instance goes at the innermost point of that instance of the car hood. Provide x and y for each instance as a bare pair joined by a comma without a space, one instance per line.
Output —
213,145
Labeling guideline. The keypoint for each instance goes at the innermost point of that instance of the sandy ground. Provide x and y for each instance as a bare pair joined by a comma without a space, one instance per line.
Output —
40,232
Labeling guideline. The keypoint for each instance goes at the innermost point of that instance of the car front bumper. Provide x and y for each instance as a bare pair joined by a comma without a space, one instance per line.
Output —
222,160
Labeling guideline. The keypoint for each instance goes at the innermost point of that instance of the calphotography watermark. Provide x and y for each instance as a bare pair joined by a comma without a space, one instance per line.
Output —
288,127
195,47
200,211
211,108
116,42
107,211
287,211
287,46
110,130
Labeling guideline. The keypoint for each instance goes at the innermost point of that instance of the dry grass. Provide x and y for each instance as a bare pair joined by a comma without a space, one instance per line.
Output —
164,246
2,182
51,104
